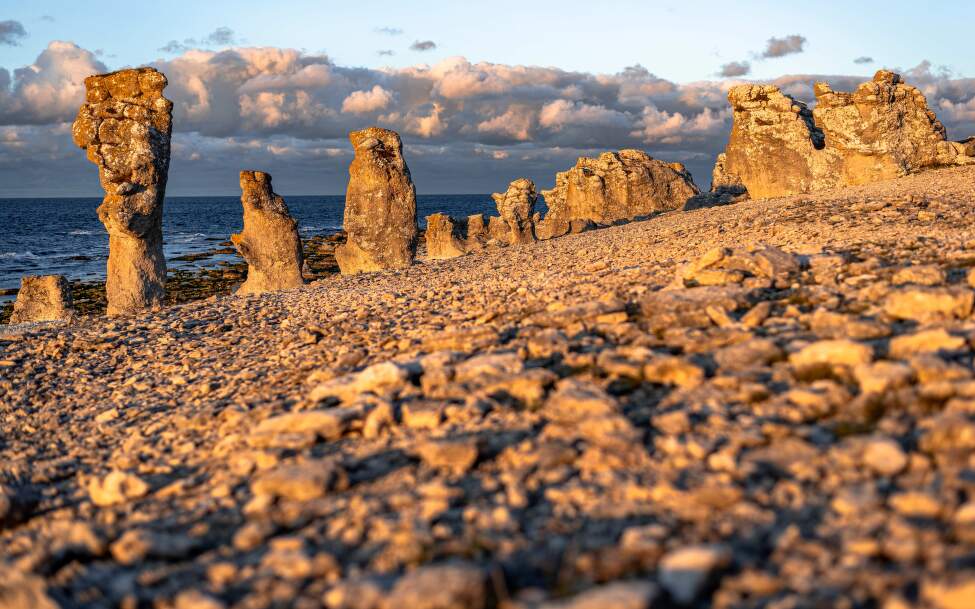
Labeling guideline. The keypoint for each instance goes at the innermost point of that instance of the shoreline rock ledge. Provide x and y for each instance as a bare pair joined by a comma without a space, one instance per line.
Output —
125,126
269,242
380,206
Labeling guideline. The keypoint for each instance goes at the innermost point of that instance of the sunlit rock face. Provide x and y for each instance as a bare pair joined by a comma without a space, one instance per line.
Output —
269,242
613,187
125,126
380,206
42,298
882,130
517,208
444,237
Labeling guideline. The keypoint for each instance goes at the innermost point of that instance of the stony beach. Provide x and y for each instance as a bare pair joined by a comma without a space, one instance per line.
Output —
626,417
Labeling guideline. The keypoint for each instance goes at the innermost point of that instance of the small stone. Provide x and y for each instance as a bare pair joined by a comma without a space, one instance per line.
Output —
686,572
380,379
884,456
878,377
927,275
23,591
449,586
929,304
616,595
456,455
832,353
925,341
194,599
673,371
115,488
300,482
957,594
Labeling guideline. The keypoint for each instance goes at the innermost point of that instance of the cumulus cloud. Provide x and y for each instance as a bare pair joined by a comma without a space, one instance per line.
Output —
423,45
734,69
863,59
364,102
11,33
232,104
222,36
389,31
787,45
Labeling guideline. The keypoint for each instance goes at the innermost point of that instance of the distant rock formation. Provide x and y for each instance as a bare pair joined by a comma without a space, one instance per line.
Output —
42,298
444,238
616,186
882,130
517,208
125,126
380,206
269,242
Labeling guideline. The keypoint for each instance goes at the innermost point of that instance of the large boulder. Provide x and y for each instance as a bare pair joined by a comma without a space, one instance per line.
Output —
269,242
42,298
380,206
517,208
125,126
882,130
616,186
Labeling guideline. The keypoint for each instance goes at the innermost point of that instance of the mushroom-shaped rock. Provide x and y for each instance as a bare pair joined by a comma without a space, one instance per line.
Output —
125,126
269,242
443,237
616,186
380,206
42,298
517,206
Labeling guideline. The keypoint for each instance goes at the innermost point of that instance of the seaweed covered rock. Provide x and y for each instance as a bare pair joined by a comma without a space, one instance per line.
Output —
269,242
380,206
125,126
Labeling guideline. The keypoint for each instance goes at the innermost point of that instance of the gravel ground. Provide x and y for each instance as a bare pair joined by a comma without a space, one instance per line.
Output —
623,418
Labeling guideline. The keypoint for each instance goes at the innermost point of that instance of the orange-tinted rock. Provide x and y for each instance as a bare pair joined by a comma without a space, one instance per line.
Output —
380,206
42,298
125,127
882,130
444,237
616,186
269,242
517,208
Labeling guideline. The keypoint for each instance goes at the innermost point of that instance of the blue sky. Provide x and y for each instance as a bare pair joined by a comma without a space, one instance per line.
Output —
679,41
482,92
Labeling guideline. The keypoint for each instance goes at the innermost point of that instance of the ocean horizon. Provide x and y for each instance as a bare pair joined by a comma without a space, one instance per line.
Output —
62,235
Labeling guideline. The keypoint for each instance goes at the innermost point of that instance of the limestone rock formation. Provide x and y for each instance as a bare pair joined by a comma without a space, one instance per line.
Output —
616,186
125,126
517,208
882,130
269,242
477,232
380,206
444,237
42,298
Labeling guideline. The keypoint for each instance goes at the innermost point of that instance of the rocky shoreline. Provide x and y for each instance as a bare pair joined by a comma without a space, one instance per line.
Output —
765,404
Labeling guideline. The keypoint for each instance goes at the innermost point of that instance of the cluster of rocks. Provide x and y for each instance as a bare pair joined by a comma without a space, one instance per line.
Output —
721,408
882,130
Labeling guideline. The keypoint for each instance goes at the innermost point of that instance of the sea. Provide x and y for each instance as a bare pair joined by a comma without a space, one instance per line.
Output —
63,236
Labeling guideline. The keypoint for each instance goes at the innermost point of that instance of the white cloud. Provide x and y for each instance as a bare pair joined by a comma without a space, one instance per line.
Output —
364,102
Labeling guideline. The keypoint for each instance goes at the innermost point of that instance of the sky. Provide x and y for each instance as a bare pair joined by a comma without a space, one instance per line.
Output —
482,92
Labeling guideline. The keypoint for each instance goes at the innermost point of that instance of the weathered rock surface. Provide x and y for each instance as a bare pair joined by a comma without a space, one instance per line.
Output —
380,206
444,237
269,242
42,298
517,208
560,425
125,126
616,186
882,130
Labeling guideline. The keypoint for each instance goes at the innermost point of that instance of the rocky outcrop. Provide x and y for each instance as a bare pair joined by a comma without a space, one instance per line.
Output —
380,206
616,186
444,237
269,242
125,126
882,130
517,208
42,298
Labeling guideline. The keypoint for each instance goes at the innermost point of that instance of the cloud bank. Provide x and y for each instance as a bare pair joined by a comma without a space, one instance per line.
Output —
468,127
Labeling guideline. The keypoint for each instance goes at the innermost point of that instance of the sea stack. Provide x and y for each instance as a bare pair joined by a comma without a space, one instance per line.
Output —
614,187
882,130
269,242
516,207
125,126
380,206
443,238
42,298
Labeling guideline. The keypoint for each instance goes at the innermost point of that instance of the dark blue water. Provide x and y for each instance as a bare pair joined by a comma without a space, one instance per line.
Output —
47,236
